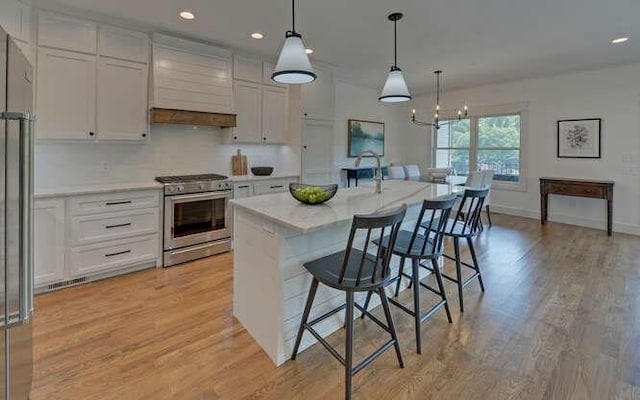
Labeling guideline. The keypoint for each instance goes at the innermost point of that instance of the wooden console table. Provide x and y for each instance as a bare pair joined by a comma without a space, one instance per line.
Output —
579,188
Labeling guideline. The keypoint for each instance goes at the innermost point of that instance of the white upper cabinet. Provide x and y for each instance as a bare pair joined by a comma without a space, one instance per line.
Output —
90,89
67,33
247,69
274,114
262,109
122,100
247,98
124,44
191,76
15,18
318,96
66,95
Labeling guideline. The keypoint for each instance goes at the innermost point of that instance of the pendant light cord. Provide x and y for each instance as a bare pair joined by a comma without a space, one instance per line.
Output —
437,88
395,43
293,15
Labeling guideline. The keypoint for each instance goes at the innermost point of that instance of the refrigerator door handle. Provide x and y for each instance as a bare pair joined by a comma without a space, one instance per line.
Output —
26,273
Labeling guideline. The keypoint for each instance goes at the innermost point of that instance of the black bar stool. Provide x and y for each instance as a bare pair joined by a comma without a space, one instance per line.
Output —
351,271
420,247
465,225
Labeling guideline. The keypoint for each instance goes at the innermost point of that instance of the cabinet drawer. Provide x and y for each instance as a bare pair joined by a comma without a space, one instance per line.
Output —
242,190
576,190
101,227
275,186
94,204
106,256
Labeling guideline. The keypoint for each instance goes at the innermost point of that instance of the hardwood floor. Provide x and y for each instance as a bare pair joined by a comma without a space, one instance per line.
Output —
560,320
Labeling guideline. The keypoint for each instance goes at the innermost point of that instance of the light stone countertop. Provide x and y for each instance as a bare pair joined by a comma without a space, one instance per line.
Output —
249,178
74,190
283,209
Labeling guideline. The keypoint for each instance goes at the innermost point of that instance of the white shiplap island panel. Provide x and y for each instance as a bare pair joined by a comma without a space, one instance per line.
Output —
275,234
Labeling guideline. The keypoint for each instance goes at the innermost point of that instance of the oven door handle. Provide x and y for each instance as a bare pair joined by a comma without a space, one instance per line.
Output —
201,196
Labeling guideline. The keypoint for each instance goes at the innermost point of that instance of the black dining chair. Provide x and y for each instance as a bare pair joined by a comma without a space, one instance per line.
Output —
465,225
423,246
356,270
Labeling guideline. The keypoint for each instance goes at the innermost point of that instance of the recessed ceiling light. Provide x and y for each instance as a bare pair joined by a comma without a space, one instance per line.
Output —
308,50
620,40
186,14
257,35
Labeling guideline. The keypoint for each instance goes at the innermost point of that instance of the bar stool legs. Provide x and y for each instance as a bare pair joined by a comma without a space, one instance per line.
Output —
305,316
459,264
351,305
416,304
349,347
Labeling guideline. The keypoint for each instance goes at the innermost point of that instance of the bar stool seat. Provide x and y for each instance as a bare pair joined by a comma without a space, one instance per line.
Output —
404,241
327,270
356,270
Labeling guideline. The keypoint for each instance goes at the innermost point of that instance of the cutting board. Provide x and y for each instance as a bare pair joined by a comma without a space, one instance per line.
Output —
239,164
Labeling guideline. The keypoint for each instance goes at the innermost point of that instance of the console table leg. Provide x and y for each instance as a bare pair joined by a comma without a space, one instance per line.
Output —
543,208
609,215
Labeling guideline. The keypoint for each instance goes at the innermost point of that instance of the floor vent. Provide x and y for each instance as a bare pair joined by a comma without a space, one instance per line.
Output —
70,282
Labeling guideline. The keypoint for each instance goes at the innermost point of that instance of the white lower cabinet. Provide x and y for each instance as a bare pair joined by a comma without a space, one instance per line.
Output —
265,186
275,186
242,190
95,235
49,241
105,256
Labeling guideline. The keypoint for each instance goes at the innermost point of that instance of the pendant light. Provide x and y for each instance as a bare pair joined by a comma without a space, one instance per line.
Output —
436,116
395,88
293,65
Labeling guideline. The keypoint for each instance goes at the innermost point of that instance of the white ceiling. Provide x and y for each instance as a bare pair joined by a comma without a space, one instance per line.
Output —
474,41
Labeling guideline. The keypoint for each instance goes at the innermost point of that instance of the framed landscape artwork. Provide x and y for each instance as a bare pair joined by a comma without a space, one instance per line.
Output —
579,138
365,135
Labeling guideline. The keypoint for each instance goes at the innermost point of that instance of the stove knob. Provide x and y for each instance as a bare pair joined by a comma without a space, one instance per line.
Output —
201,186
171,189
180,188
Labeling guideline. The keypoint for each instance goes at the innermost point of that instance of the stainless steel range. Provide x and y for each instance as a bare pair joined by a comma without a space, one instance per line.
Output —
196,216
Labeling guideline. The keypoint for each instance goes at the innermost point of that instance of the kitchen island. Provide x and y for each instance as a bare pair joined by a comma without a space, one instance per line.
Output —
275,234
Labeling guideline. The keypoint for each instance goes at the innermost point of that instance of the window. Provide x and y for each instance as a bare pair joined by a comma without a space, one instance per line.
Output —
482,142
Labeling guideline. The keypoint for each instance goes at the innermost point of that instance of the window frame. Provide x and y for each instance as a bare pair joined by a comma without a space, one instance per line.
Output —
477,112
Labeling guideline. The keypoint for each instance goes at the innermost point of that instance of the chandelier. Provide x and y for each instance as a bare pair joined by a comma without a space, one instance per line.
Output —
436,116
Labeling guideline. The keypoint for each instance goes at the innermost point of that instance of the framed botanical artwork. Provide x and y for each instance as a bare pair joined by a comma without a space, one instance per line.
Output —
365,135
579,138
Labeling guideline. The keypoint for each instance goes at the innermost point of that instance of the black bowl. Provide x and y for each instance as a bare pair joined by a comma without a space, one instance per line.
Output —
312,194
261,171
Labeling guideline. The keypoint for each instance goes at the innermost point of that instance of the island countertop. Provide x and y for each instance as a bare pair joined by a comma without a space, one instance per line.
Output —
283,209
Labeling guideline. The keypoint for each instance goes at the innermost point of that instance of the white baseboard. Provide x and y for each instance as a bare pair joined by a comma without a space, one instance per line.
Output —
568,219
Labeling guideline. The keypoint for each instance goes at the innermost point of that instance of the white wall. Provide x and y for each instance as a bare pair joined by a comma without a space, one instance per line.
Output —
358,102
612,94
172,150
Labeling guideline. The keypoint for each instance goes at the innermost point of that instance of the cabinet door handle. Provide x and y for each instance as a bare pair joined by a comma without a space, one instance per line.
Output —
91,133
119,253
144,135
277,187
117,226
115,203
243,187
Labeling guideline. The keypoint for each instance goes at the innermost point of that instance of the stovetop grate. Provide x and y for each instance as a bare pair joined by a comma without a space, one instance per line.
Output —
191,178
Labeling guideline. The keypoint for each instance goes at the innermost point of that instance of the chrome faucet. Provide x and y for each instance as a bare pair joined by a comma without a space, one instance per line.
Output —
378,175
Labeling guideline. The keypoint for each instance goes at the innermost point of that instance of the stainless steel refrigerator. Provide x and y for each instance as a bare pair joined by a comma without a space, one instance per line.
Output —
16,221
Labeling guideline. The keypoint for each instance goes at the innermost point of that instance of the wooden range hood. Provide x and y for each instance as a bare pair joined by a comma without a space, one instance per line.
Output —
182,117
